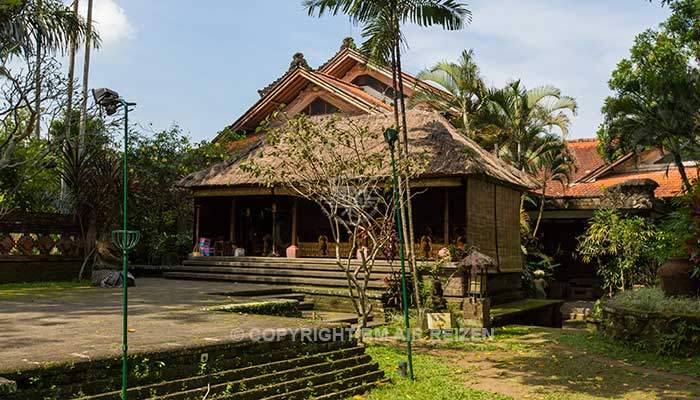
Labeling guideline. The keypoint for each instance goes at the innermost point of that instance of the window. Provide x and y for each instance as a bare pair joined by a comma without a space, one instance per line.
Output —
319,107
374,87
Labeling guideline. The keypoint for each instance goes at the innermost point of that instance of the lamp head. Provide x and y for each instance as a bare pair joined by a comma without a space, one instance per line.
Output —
107,99
390,136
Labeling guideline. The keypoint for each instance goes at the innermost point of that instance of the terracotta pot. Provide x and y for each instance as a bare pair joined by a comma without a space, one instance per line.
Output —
675,278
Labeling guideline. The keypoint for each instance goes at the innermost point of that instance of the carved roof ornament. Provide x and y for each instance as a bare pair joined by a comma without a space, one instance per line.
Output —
632,194
298,61
348,43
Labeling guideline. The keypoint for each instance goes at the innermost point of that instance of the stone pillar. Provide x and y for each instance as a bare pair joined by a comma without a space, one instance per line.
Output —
476,312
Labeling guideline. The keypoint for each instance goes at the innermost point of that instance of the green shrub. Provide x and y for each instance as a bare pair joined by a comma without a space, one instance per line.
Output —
624,247
647,320
652,300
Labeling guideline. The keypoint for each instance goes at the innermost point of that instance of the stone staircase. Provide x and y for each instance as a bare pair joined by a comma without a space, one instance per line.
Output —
320,282
245,370
317,272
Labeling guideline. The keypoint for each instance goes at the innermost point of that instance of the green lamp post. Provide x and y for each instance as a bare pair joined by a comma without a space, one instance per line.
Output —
124,239
390,136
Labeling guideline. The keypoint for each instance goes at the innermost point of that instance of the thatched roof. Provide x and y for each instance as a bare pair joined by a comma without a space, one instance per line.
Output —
450,154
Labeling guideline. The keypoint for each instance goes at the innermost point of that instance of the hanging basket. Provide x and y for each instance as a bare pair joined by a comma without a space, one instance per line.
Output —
132,239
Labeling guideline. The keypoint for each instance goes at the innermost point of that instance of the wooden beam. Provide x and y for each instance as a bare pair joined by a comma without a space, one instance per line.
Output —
233,191
232,222
446,239
294,221
197,209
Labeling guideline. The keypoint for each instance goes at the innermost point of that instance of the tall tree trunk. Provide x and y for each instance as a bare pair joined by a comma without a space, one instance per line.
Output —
71,78
541,210
68,120
678,160
86,72
37,77
407,183
400,184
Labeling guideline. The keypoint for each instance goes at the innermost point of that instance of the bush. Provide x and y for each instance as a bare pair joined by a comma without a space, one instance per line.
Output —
647,320
625,248
652,300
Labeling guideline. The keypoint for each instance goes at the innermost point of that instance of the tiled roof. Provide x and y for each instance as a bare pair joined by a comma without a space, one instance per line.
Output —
592,175
670,183
585,152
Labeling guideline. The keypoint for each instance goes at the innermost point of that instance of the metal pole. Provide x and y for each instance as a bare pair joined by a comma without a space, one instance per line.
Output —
403,266
124,252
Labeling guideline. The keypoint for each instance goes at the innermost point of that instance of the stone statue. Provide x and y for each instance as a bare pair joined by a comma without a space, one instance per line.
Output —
323,244
540,284
425,247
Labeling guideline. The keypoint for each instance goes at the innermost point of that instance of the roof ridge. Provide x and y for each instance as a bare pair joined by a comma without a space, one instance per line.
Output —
581,140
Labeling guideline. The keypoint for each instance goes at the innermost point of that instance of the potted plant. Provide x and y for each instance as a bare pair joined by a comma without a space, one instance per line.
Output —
680,274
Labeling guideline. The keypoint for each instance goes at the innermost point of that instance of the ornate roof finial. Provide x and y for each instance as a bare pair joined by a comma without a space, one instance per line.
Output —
348,43
298,60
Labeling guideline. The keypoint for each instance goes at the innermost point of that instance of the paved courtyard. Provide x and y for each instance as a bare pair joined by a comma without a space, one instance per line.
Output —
41,325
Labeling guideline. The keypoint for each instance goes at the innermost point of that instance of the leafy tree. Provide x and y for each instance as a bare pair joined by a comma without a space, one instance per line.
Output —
656,100
384,41
321,161
159,209
463,82
623,247
25,23
516,118
551,161
23,157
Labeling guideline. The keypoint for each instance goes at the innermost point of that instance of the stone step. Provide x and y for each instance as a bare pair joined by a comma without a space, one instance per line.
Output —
281,260
352,391
270,271
306,305
313,385
377,268
268,279
331,316
330,385
243,378
99,376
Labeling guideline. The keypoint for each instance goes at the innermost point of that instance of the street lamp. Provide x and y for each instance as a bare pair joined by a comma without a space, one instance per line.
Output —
124,239
390,136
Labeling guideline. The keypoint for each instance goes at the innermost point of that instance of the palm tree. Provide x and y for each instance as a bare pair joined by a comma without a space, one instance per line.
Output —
71,76
86,72
463,82
25,23
515,117
382,20
37,78
549,161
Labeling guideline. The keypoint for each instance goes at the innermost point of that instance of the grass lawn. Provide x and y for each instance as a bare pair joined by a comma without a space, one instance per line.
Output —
42,289
536,363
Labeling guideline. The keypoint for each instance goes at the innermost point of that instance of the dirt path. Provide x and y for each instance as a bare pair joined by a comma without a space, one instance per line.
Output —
536,366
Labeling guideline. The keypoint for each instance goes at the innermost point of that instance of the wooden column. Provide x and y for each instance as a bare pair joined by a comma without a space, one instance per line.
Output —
197,209
232,222
446,239
294,221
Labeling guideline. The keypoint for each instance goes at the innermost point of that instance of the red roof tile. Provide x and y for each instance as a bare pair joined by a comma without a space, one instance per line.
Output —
670,183
585,152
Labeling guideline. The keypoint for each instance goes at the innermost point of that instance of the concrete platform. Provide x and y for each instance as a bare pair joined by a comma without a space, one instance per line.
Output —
69,325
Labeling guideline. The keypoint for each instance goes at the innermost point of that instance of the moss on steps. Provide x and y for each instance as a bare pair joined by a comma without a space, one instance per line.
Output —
99,376
275,307
235,379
